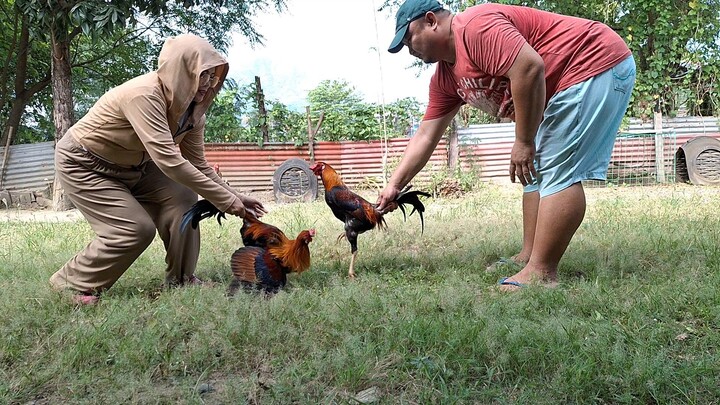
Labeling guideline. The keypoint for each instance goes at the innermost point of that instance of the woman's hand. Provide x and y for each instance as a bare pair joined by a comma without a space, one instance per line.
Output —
253,206
237,208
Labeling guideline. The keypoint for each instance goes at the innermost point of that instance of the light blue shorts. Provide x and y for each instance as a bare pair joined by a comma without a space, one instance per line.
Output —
577,134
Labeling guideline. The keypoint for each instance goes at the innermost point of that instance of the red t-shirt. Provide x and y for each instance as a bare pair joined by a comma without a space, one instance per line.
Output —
488,38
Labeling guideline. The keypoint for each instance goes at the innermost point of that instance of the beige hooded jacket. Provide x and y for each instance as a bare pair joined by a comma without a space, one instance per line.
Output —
145,119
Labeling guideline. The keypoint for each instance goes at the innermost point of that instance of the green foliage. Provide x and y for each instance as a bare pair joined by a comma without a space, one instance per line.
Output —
209,18
675,45
214,19
24,68
66,19
234,117
109,43
286,125
347,117
473,116
454,183
660,37
223,121
674,42
402,117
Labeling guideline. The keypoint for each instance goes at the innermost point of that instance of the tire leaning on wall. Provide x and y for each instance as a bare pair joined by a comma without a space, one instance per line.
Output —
293,181
698,161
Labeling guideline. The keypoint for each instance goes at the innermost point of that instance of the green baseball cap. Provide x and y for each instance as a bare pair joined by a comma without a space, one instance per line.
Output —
410,11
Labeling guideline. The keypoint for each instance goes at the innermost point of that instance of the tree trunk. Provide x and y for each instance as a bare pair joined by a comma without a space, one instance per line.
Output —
18,104
63,114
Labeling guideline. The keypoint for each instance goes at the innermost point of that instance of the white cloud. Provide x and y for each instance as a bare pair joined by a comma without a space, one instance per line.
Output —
317,40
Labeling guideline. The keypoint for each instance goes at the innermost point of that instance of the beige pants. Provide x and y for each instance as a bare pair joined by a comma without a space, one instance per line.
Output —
124,207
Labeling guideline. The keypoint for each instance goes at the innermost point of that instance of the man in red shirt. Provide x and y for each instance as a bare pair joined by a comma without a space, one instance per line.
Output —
565,81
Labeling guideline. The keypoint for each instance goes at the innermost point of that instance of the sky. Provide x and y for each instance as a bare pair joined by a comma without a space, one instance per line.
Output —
316,40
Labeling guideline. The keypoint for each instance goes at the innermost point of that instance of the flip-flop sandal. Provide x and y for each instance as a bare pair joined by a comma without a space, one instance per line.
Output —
506,281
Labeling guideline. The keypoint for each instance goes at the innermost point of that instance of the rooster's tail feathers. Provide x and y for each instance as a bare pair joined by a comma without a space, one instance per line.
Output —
413,199
199,211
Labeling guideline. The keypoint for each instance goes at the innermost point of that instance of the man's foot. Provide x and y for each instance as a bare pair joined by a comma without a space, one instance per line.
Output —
528,276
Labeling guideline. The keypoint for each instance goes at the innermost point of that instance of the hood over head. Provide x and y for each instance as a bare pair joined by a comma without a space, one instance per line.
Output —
180,63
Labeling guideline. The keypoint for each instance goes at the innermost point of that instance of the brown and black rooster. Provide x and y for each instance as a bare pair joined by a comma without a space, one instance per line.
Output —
358,214
268,255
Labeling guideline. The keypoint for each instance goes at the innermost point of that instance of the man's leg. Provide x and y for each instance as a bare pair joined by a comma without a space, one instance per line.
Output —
530,201
559,216
530,207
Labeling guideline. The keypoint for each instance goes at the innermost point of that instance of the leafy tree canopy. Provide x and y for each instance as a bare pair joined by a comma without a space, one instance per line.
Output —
107,42
234,116
675,44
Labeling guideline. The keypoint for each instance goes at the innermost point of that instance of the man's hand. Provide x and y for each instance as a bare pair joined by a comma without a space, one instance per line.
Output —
522,162
386,201
254,206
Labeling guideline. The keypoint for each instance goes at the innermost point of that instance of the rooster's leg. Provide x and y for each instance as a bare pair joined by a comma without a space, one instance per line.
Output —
352,238
351,272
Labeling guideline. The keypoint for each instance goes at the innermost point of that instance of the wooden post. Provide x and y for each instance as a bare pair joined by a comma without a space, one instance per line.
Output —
261,111
659,145
311,136
6,155
453,147
312,131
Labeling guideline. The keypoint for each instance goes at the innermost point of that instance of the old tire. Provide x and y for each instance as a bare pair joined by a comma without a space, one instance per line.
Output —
293,181
698,161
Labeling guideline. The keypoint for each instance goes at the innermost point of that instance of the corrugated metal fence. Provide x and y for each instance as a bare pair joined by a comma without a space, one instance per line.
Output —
28,167
486,148
249,167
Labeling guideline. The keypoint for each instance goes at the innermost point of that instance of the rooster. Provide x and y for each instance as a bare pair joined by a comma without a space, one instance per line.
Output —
266,268
268,255
257,233
357,213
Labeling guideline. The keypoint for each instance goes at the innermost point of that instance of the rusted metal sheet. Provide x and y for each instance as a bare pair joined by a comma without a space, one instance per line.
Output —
250,168
29,166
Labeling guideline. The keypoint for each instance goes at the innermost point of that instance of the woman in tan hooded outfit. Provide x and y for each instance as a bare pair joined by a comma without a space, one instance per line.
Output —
135,163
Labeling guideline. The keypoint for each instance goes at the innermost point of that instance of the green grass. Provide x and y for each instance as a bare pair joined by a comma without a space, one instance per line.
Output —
636,318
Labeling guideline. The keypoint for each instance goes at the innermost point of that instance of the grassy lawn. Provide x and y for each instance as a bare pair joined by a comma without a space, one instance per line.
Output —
636,318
